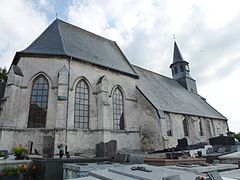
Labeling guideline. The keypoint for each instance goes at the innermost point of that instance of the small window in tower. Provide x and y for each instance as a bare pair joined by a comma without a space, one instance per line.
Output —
187,67
175,70
182,68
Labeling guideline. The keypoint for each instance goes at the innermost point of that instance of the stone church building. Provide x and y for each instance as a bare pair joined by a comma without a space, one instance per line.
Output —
81,89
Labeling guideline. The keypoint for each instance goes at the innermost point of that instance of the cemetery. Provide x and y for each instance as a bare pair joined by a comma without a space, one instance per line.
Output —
218,160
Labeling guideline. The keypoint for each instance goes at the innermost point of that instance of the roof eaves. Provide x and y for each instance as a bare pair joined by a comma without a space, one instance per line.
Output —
223,117
105,67
23,54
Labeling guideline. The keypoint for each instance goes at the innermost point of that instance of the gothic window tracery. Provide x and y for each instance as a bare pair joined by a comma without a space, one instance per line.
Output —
118,110
81,110
38,103
200,128
168,126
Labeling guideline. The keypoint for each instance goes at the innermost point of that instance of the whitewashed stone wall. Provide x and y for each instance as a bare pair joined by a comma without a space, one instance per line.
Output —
153,131
100,129
144,129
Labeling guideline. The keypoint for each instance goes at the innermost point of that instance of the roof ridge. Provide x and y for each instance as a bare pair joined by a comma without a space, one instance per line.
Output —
152,71
61,37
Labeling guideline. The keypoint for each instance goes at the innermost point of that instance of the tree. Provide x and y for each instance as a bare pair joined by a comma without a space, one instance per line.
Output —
3,74
237,136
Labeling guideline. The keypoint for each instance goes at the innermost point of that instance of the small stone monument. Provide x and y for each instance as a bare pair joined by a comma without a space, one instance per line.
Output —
136,158
48,146
100,149
111,148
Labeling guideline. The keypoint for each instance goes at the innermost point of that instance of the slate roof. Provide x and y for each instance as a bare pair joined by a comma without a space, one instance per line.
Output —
64,39
166,94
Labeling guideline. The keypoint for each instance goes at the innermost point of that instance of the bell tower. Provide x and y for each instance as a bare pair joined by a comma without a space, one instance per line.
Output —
181,71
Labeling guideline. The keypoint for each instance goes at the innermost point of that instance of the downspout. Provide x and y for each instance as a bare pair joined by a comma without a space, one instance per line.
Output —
67,109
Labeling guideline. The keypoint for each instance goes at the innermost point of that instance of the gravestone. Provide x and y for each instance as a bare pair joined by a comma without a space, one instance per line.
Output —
182,144
111,148
5,153
210,150
48,146
221,150
100,149
121,158
222,140
136,159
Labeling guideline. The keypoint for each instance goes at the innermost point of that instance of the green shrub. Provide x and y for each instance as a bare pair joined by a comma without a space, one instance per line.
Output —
1,154
20,152
9,171
237,136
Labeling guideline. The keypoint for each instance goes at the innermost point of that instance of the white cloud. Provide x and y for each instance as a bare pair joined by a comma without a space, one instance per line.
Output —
224,96
20,25
206,32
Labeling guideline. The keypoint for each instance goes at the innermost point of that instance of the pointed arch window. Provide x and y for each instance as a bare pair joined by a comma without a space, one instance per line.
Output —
118,110
182,68
81,111
200,130
168,126
185,127
38,103
175,70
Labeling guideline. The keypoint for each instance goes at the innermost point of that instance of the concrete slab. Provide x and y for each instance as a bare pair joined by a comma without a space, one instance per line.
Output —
203,169
77,170
231,174
235,155
11,160
157,172
85,178
124,172
106,174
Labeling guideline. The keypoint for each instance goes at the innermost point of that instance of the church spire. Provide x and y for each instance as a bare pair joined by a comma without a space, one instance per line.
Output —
181,71
177,56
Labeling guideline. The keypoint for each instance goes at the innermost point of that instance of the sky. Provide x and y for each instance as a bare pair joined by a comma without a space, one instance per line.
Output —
207,33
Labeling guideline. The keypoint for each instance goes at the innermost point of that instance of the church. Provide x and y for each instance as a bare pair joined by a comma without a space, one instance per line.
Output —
79,88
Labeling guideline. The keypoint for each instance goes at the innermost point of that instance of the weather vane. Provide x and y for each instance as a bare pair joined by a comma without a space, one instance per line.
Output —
174,37
56,15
